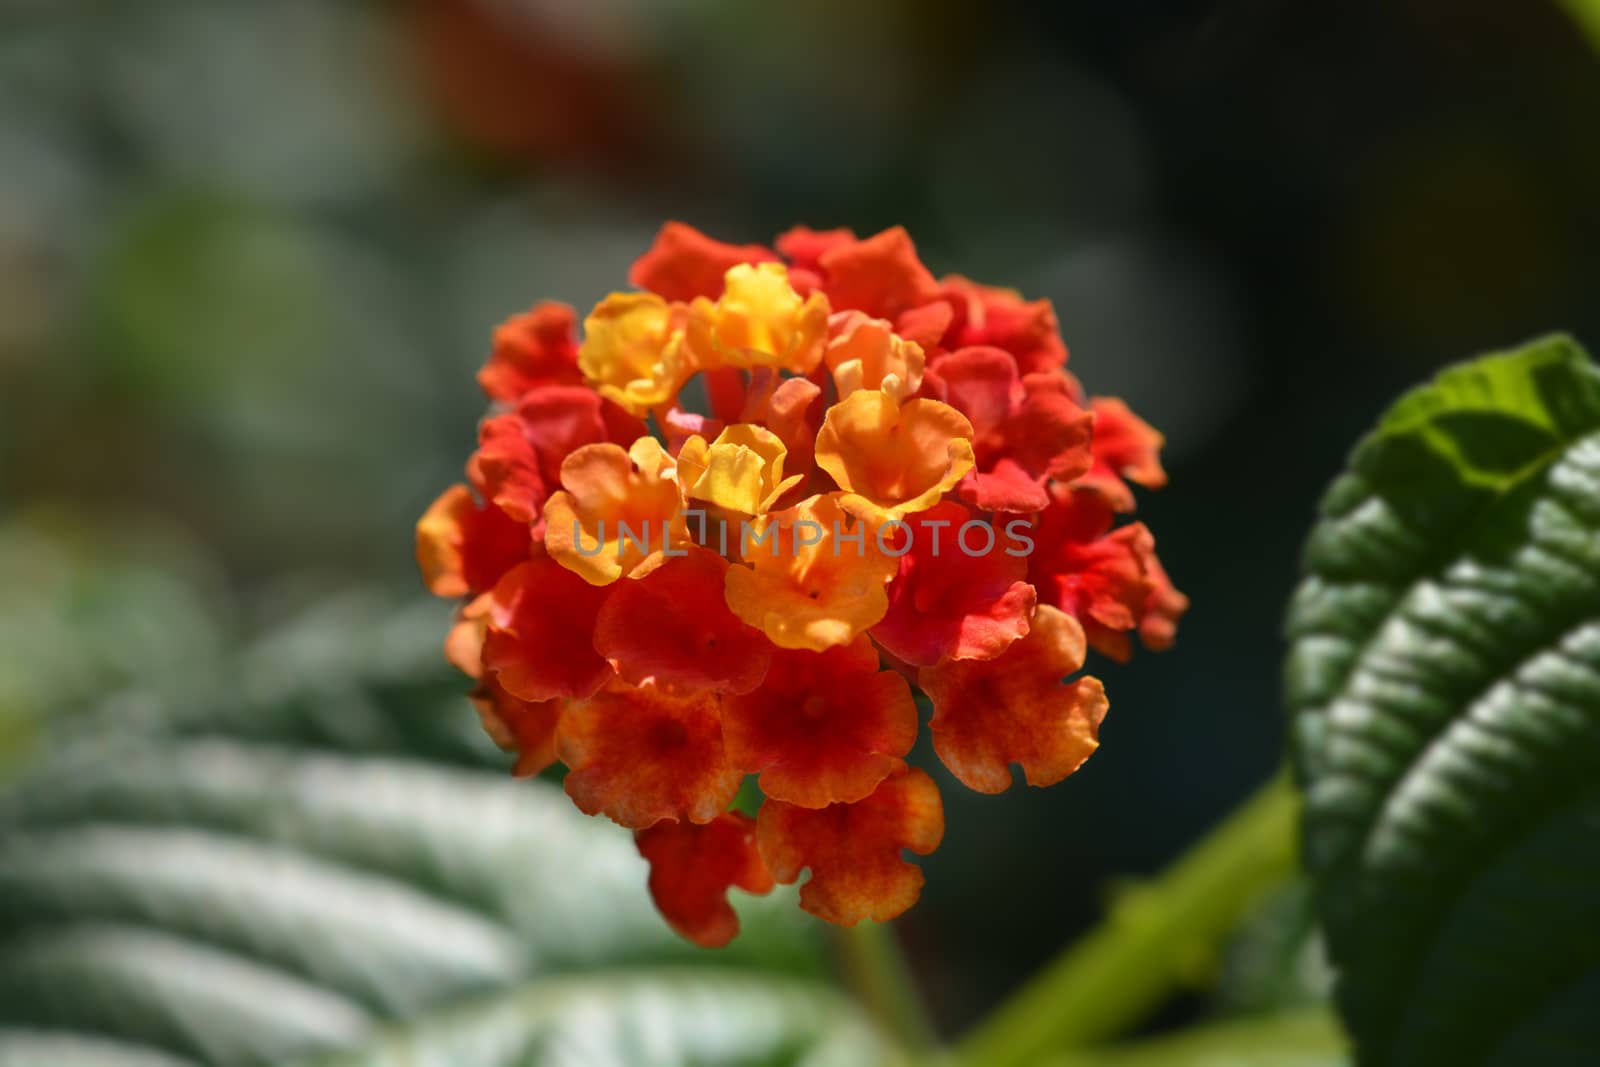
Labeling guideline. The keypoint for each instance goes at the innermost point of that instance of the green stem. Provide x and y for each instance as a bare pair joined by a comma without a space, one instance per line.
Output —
1148,945
1309,1037
1586,13
875,970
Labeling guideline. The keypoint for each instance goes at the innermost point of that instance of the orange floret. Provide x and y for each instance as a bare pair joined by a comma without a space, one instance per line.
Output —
793,411
557,420
464,547
742,470
537,347
961,591
865,353
1108,578
1026,431
989,714
804,583
520,453
880,275
1125,447
853,850
824,728
804,248
986,315
692,867
539,641
615,509
1158,625
890,458
463,643
505,468
760,321
673,627
684,263
527,728
640,754
633,350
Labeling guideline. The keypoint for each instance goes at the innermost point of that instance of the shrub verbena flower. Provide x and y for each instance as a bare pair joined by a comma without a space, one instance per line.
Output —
726,531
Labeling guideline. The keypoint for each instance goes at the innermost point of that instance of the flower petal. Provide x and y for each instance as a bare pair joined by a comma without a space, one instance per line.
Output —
527,728
558,420
692,867
804,247
893,458
520,454
505,468
1005,487
537,347
803,585
742,470
633,352
1125,447
989,714
639,754
760,321
793,411
1025,431
853,850
1049,435
925,326
678,426
1158,624
463,644
880,275
958,594
684,263
985,315
824,727
1093,572
538,644
673,627
865,353
982,383
463,547
615,509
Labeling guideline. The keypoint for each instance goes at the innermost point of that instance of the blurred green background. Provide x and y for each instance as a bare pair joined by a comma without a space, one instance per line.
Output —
251,252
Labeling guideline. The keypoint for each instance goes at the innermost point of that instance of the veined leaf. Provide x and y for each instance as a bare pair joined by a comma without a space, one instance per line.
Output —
254,880
1445,681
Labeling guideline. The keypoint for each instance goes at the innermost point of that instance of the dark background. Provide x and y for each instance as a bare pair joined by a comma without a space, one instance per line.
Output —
250,254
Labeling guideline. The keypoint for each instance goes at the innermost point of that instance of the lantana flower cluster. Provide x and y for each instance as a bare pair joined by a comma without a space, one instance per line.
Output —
725,528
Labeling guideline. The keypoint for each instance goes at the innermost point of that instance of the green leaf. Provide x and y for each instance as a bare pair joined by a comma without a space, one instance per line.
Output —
242,881
94,601
1444,676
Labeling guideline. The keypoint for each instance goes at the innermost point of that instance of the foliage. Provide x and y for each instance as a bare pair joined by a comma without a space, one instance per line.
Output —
307,871
1445,678
306,854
